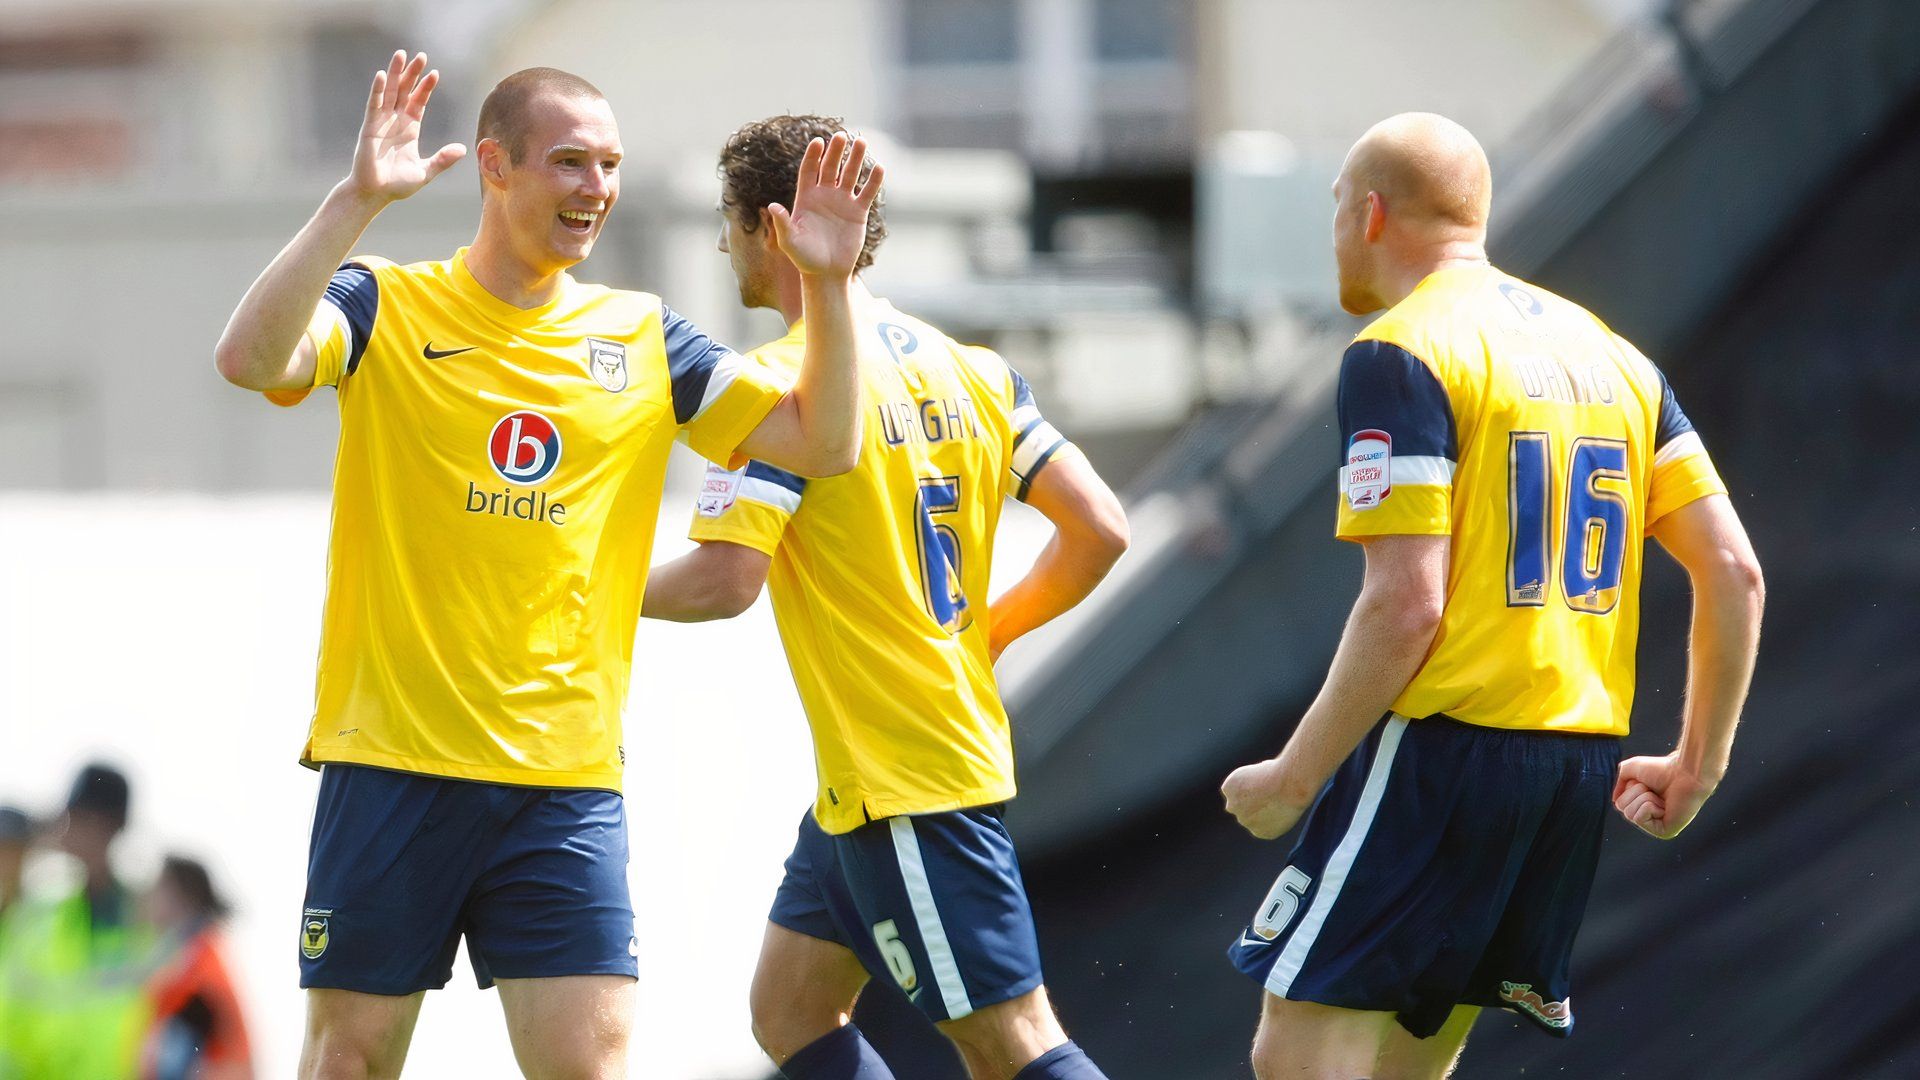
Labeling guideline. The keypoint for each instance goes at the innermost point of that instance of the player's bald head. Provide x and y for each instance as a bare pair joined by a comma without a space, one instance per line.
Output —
1427,169
507,113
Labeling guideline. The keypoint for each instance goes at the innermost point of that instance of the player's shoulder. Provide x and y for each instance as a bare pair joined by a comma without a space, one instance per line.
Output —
784,353
910,339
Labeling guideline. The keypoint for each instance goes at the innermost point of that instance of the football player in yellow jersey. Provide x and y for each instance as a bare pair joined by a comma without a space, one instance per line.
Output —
902,870
504,436
1503,454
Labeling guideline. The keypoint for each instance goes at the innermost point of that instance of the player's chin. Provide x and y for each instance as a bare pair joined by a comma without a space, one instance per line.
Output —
574,244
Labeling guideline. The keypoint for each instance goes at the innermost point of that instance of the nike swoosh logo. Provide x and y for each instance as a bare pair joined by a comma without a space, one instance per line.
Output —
432,353
915,996
1252,943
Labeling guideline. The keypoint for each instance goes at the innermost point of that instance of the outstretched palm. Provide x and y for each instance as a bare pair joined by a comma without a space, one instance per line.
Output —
387,161
827,227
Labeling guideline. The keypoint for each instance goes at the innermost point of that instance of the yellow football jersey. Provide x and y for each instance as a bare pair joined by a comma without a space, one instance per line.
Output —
1511,419
495,493
879,576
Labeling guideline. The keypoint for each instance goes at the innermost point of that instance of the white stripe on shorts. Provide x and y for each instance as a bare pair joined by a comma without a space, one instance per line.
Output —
946,970
1287,968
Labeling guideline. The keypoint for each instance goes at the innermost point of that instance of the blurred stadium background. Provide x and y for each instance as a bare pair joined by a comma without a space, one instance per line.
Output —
1128,198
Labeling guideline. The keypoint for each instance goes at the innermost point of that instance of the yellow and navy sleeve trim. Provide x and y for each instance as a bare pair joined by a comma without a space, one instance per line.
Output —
749,506
1035,441
1682,471
719,396
1398,444
342,325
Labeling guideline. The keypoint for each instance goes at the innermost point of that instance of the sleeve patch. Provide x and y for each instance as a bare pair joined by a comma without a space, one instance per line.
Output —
1367,477
719,490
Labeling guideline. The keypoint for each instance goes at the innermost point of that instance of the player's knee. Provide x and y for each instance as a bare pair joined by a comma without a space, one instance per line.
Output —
590,1055
338,1054
784,1021
1009,1034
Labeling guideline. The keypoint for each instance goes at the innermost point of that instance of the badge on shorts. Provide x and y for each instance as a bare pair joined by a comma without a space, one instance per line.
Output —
608,362
718,491
313,932
1367,476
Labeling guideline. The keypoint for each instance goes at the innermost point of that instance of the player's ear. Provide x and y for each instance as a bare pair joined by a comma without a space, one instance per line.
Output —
765,231
1376,216
490,158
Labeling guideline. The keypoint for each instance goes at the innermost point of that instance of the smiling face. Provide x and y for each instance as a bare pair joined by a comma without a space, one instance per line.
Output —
555,199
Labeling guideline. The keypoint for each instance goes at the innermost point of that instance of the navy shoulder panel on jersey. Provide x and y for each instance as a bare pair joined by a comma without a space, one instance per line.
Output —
1386,388
760,470
1022,393
1673,422
692,357
356,295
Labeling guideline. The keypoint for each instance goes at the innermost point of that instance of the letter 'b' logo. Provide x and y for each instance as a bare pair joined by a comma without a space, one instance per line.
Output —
524,447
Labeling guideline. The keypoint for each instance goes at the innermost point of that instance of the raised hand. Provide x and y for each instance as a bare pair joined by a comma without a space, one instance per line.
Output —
1658,795
827,227
386,162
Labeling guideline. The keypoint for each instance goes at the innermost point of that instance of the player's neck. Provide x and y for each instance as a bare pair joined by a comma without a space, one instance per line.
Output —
789,299
508,278
1447,255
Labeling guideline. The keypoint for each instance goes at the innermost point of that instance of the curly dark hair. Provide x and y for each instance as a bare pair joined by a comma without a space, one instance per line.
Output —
760,165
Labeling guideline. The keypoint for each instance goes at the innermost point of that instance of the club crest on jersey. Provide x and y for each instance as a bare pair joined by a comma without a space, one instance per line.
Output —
719,490
1367,477
524,447
608,362
313,932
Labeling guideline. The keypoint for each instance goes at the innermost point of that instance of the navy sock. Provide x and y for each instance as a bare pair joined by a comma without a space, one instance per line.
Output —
842,1054
1063,1062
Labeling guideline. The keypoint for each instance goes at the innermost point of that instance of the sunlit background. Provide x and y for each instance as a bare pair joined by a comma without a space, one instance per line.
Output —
1129,199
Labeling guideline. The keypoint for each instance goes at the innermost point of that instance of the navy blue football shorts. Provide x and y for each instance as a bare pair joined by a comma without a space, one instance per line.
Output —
933,903
400,866
1444,864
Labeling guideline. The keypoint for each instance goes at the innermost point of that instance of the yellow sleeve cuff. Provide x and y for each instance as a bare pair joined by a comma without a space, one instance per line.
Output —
717,433
747,522
1408,510
1679,482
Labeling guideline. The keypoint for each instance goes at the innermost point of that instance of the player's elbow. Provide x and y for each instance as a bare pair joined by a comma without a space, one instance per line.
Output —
233,363
732,595
238,365
1107,533
1412,615
1738,573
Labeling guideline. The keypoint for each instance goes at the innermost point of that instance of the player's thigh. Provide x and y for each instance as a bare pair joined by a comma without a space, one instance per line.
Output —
999,1040
803,988
570,1027
1311,1041
1403,1057
355,1035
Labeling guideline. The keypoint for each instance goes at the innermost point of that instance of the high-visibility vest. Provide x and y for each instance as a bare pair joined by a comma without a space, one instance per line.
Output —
72,995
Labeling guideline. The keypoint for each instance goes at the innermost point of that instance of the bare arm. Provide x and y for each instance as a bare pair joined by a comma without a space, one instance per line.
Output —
265,346
1386,641
716,580
1090,535
815,429
1662,795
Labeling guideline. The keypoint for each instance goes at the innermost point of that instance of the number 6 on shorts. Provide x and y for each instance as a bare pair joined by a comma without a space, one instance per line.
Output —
1276,911
899,958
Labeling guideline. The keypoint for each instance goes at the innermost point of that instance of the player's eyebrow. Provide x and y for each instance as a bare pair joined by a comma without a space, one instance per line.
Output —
570,148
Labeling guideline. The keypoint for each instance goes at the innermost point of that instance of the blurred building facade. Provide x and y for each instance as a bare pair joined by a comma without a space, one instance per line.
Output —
1121,194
